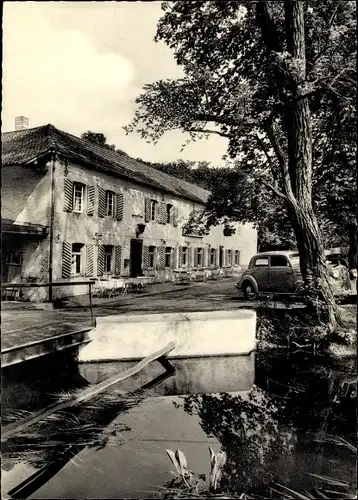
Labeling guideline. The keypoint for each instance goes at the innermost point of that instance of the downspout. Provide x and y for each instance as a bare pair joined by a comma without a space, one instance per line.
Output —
52,216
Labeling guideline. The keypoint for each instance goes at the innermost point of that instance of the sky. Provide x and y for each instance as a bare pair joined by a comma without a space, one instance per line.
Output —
80,66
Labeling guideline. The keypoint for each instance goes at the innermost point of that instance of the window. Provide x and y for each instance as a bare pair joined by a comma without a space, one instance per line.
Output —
14,258
212,256
78,197
237,257
169,213
110,197
76,267
229,257
261,262
151,257
278,261
200,257
168,256
153,209
108,259
184,256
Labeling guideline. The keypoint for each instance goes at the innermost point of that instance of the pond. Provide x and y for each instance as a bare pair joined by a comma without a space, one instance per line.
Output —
285,422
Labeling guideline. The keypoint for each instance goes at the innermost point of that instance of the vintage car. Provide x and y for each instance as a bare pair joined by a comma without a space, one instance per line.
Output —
278,272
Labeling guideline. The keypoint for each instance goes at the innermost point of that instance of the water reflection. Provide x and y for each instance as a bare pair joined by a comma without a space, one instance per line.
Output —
297,419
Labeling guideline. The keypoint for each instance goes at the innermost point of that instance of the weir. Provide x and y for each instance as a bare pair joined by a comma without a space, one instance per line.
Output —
196,334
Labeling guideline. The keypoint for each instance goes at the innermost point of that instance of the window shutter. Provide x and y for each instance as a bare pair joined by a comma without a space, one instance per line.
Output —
100,260
208,256
190,256
195,257
162,213
145,258
238,257
118,261
217,256
68,192
161,257
147,209
175,216
175,258
180,256
204,258
90,200
226,257
89,260
119,211
101,202
66,259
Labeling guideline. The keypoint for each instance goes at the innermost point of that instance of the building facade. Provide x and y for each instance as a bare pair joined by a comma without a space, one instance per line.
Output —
85,212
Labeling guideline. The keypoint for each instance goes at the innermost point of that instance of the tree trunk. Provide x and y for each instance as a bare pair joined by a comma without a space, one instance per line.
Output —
299,144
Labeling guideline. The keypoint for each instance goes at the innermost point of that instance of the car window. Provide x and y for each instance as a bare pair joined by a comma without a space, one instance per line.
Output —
261,262
295,260
279,261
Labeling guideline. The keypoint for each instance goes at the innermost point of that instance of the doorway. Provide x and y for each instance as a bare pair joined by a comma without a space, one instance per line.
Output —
221,257
136,258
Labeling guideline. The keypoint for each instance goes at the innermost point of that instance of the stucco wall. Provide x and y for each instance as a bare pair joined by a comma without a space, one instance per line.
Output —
81,228
25,194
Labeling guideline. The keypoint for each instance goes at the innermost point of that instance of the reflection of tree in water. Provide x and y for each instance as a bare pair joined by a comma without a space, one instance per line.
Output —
250,433
319,393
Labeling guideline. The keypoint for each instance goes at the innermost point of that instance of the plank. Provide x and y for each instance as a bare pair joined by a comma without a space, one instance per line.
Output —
87,393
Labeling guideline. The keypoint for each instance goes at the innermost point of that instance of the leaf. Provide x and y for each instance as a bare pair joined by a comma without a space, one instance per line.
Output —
173,459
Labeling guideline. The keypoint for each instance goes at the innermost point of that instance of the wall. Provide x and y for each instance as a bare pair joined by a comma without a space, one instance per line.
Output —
25,197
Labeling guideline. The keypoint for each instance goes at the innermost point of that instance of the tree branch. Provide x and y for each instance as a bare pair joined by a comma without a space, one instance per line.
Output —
282,161
208,131
274,189
222,120
269,159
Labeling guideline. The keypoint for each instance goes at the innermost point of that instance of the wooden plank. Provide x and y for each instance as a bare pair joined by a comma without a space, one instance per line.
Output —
13,429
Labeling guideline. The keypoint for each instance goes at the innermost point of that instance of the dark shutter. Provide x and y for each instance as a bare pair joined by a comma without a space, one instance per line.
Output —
161,257
89,260
180,256
145,258
162,213
175,216
118,262
66,259
68,193
204,264
195,257
100,260
90,200
175,258
147,209
101,202
119,211
190,256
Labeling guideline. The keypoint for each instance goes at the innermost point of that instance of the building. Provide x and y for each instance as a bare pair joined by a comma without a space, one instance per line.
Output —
73,210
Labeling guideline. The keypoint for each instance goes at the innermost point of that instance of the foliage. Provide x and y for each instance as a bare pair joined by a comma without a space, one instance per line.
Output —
97,138
272,78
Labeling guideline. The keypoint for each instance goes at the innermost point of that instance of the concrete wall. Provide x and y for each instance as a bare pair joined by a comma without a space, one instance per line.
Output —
26,197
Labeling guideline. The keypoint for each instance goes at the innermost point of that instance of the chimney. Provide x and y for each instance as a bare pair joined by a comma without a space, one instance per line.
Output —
21,123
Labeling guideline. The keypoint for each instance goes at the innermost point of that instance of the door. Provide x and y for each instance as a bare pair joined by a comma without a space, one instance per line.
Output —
281,275
136,258
260,271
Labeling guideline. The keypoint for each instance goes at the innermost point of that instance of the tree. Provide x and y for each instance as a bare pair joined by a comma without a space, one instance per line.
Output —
97,138
263,75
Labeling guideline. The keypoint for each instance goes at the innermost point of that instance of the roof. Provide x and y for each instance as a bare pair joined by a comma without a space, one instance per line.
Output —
277,252
24,146
9,226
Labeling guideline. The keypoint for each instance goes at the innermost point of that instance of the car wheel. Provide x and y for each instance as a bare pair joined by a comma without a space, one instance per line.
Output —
249,291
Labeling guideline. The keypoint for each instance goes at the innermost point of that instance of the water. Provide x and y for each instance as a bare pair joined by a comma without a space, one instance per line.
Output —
272,413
